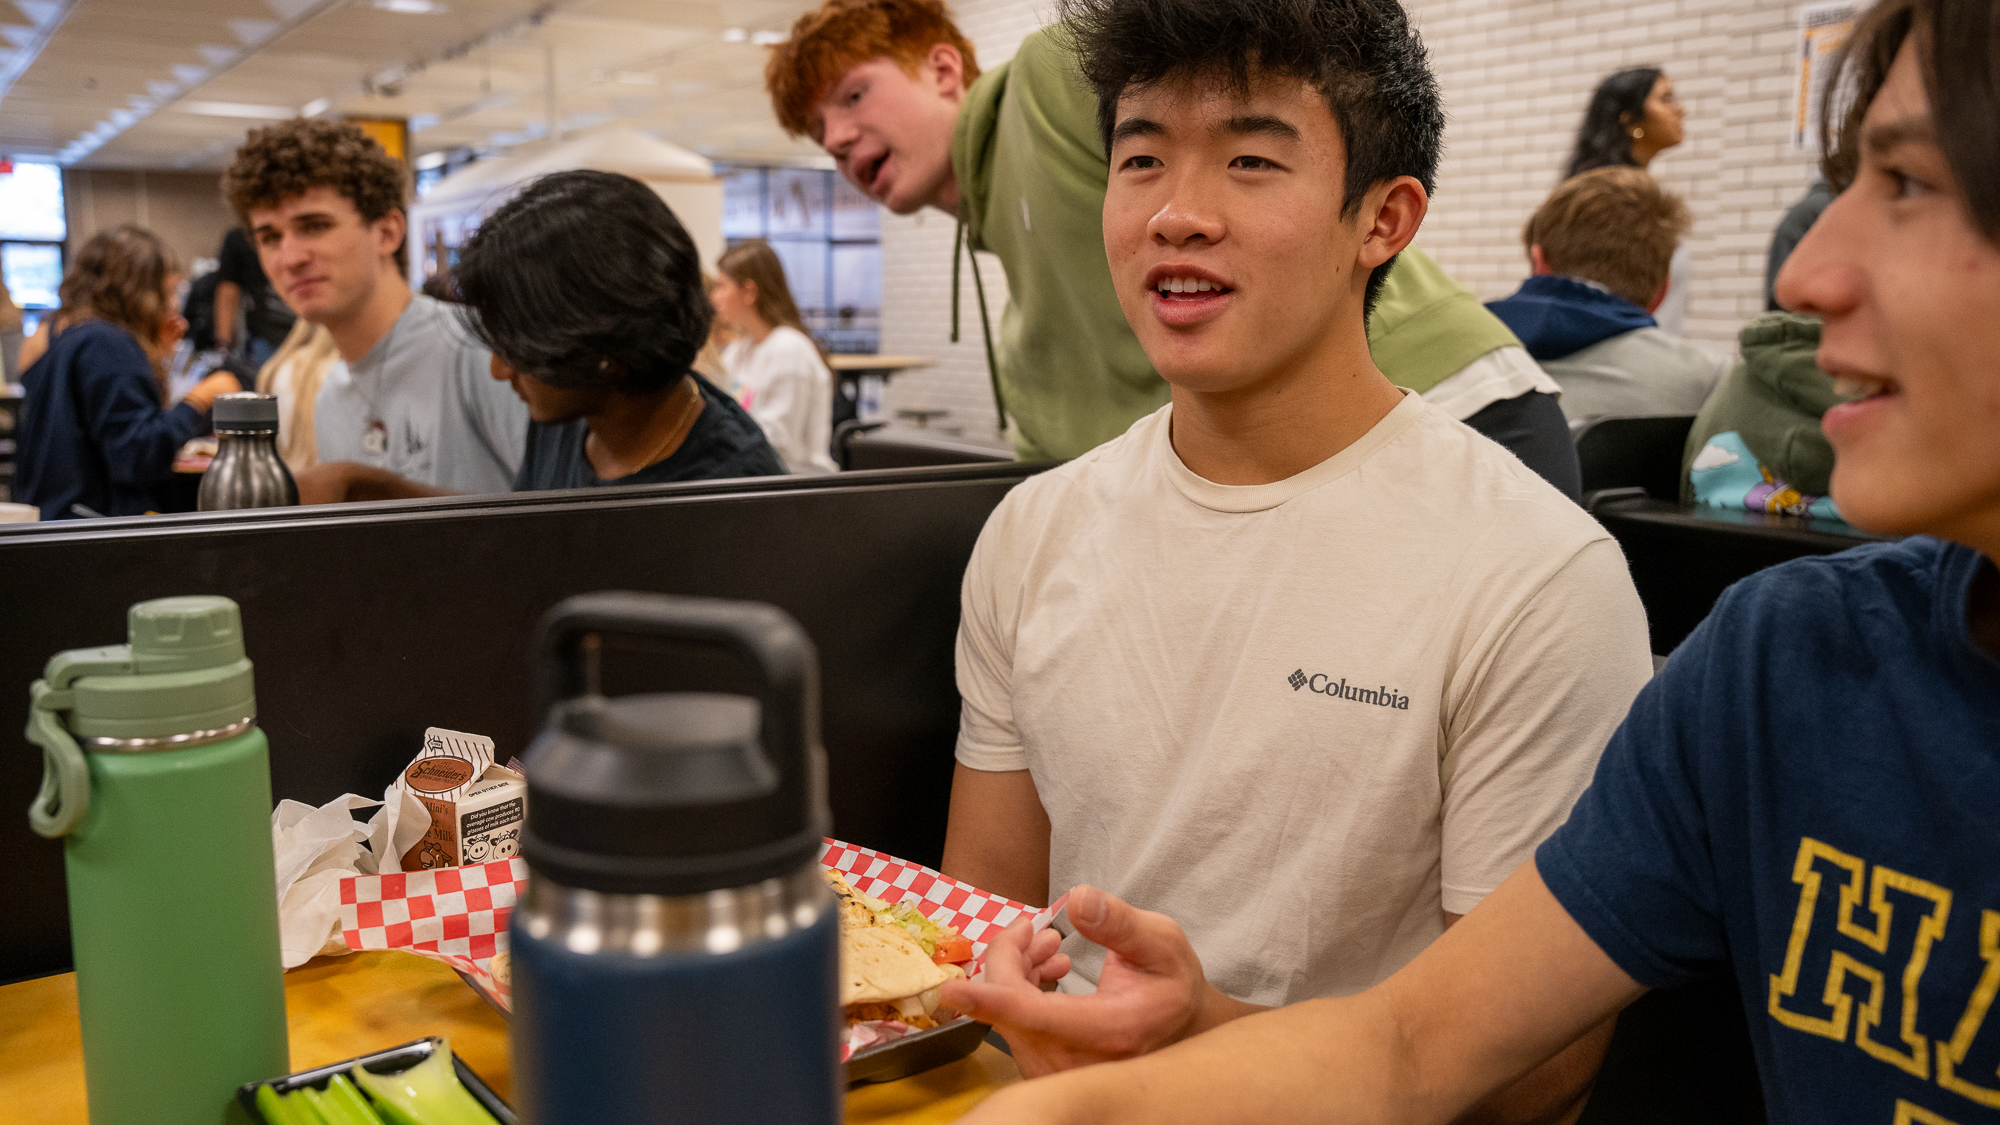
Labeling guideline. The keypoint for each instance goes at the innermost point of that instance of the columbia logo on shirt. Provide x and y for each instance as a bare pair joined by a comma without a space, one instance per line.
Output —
1324,685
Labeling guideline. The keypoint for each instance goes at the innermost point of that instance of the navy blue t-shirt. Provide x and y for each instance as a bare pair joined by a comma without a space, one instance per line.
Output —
724,442
1808,795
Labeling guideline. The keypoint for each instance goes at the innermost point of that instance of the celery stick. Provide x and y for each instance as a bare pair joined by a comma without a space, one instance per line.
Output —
285,1109
391,1115
341,1097
428,1093
273,1108
317,1101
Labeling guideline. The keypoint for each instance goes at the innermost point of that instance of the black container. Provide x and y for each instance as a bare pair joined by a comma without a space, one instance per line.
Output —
395,1060
676,954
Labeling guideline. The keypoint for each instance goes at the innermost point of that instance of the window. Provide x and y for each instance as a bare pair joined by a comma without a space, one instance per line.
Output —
829,237
31,203
32,272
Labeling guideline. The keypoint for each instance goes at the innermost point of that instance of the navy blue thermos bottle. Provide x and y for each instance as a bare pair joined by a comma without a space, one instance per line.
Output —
676,954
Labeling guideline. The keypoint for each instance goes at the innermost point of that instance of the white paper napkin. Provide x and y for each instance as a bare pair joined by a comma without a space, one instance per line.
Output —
315,847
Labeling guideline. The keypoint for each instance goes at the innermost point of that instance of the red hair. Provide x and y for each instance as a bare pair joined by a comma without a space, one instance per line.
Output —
842,34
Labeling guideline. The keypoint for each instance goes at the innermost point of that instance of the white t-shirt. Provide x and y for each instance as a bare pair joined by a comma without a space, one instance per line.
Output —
1497,376
786,387
1304,718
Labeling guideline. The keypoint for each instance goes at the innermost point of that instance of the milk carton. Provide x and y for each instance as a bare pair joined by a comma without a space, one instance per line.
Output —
477,808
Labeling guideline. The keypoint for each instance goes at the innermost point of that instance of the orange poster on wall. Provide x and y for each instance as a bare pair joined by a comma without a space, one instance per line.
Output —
392,133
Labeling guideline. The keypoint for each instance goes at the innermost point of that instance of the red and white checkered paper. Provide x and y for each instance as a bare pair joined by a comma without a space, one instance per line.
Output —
942,899
459,915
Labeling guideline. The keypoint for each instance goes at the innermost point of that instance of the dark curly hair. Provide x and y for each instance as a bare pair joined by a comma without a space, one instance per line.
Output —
292,157
1362,55
1605,137
586,279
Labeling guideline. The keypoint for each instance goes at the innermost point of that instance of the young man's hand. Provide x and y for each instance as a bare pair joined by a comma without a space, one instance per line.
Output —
202,395
1150,993
338,482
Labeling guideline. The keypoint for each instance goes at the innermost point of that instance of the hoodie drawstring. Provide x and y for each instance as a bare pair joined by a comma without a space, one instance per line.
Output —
958,246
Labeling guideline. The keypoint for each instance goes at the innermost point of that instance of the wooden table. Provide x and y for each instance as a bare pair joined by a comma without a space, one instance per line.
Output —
850,366
340,1007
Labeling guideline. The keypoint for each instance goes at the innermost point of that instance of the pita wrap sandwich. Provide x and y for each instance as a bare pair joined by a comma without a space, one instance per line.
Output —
885,972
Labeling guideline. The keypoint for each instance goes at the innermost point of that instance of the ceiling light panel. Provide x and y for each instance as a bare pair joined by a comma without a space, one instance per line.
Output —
655,62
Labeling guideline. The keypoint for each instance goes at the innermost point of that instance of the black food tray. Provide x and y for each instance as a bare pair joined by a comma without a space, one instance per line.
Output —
916,1052
391,1061
884,1062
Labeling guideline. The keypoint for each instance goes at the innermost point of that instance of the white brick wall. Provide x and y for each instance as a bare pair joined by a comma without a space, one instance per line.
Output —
1513,120
1516,75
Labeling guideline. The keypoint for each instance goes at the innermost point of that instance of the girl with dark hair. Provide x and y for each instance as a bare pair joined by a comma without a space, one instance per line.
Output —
1634,116
775,370
97,436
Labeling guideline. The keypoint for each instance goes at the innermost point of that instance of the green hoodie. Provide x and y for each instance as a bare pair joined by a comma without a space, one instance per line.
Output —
1772,399
1031,172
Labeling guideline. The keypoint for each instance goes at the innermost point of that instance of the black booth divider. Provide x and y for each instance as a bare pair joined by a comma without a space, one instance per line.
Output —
369,624
1683,557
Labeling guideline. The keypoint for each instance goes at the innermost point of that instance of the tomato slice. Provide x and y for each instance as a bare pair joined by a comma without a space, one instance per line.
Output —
956,951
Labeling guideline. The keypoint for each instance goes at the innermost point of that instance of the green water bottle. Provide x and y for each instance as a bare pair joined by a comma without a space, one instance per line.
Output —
158,782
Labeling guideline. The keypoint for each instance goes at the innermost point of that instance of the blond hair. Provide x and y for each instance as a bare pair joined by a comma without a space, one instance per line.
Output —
309,353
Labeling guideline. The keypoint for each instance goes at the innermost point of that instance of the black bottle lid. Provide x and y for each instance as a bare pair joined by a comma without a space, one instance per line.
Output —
246,413
679,793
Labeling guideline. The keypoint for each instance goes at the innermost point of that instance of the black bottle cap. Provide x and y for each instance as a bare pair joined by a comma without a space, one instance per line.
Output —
245,411
682,793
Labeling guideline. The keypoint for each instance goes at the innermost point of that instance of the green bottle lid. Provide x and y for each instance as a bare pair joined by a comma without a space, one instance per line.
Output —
183,672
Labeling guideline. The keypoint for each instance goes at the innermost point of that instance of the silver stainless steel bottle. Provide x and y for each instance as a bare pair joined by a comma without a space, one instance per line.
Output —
247,471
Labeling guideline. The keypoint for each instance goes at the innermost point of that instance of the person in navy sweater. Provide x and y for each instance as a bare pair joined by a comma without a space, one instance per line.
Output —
96,435
1802,803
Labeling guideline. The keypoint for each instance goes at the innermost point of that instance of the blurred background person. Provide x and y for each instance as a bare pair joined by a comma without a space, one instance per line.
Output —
1799,219
1633,117
96,431
708,361
1757,442
10,337
775,369
293,376
1599,249
245,299
200,352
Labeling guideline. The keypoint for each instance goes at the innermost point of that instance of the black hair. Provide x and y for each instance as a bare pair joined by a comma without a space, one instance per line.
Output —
586,279
1362,55
1605,137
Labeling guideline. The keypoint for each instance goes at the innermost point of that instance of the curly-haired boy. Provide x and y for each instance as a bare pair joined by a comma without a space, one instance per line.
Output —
414,401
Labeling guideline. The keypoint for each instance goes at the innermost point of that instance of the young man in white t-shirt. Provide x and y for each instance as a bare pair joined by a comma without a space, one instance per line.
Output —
1299,660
